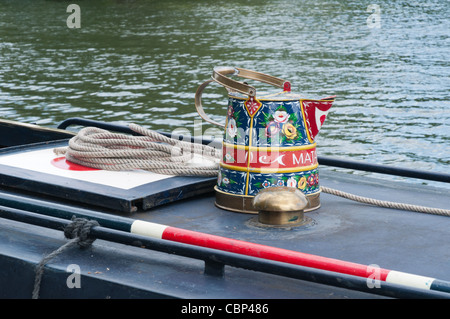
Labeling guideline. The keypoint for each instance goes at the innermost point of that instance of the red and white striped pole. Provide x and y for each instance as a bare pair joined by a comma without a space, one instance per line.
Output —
283,255
227,244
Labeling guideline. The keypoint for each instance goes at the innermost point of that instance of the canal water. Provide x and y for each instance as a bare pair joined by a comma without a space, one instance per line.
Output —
388,63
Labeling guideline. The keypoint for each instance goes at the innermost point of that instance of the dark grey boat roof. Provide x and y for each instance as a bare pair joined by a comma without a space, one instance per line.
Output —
392,239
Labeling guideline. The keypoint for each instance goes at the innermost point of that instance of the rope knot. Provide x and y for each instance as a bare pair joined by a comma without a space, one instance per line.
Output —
78,232
80,228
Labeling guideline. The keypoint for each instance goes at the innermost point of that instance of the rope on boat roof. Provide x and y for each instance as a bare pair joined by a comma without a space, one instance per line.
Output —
387,204
101,149
98,148
78,233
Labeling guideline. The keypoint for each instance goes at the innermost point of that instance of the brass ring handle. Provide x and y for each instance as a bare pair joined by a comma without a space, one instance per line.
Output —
220,72
198,104
219,76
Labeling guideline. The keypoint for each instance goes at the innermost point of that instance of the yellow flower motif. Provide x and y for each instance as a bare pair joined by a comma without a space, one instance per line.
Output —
289,131
302,183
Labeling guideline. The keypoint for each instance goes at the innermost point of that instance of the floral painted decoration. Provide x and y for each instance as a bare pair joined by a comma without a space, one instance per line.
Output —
233,123
308,182
281,126
224,181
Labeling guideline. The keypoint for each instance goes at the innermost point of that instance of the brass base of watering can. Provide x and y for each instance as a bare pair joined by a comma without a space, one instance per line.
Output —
244,204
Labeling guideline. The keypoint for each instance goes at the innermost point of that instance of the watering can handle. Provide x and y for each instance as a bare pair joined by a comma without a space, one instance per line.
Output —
219,76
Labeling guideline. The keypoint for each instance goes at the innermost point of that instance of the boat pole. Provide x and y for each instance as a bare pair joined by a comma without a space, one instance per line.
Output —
287,256
384,169
174,234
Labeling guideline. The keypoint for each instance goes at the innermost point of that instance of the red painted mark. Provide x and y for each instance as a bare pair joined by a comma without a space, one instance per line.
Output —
322,119
62,163
267,252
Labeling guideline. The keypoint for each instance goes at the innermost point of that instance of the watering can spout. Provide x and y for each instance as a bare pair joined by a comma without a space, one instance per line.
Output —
315,113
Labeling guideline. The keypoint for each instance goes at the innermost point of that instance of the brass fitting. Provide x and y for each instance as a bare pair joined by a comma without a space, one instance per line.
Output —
280,206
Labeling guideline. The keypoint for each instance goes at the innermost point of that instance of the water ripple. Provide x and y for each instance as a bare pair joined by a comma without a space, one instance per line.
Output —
140,61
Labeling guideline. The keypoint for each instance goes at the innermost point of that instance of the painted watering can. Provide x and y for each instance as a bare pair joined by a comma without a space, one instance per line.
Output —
268,140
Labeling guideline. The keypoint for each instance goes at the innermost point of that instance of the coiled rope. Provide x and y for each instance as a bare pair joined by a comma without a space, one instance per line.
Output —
98,148
101,149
